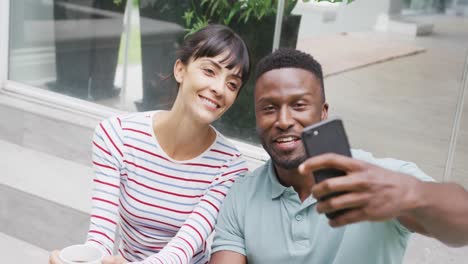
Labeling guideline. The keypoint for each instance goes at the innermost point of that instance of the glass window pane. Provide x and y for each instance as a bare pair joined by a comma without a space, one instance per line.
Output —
70,47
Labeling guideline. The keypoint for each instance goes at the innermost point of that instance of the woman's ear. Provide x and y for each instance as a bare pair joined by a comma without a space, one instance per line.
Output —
179,71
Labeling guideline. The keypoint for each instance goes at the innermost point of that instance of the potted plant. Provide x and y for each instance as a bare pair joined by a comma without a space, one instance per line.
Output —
87,39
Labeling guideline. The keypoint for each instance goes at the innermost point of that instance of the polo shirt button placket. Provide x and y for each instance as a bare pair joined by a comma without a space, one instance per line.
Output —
299,217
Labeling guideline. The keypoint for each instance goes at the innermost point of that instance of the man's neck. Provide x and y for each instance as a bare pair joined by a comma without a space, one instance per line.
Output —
291,177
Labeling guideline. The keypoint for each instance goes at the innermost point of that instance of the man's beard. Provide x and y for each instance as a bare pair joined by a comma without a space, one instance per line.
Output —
285,161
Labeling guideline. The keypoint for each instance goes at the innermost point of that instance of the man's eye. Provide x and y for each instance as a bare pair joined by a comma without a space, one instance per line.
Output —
299,105
268,108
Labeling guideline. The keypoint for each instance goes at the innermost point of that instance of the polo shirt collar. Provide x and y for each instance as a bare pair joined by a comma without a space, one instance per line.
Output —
277,189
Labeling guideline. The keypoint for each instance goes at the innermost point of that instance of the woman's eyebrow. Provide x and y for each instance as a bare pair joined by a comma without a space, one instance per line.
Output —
213,62
219,66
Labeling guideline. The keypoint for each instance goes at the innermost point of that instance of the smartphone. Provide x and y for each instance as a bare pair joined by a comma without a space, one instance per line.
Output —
327,136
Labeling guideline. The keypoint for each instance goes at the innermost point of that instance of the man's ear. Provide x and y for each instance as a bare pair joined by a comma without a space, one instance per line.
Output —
324,111
179,71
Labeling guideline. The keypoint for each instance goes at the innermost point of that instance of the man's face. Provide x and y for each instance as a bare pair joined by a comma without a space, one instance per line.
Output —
286,101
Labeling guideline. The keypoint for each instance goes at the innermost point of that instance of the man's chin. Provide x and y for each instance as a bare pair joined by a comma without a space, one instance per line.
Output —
287,163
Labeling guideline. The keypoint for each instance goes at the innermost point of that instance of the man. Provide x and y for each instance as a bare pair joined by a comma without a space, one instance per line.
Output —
272,215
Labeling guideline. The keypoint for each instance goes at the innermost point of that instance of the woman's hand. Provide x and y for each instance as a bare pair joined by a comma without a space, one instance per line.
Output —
113,260
54,257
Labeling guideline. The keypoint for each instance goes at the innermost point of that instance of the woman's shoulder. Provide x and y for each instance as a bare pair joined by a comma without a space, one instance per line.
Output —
128,119
225,145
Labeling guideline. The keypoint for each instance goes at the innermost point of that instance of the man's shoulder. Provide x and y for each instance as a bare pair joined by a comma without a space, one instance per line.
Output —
253,180
393,164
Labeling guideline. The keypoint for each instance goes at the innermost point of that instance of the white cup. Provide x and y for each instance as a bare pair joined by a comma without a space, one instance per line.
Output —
81,254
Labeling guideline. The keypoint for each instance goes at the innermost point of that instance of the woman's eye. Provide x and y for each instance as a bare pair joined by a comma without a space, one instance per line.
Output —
232,86
208,71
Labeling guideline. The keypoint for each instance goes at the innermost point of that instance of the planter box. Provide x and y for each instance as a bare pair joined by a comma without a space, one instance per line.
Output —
87,40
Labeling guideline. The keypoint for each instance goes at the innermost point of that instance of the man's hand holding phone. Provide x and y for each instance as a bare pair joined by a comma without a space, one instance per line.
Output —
369,192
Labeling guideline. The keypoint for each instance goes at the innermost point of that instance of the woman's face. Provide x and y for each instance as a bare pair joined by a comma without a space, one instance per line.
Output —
206,87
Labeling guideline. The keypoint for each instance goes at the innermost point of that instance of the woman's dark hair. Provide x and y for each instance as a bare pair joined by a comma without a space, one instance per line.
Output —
212,41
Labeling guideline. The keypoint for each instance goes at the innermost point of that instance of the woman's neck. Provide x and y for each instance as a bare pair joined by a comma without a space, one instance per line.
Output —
180,136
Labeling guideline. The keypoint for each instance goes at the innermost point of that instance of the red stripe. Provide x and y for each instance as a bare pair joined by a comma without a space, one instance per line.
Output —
229,180
201,238
147,152
123,256
183,251
199,252
220,192
165,175
104,166
101,148
145,226
231,172
120,122
137,131
131,237
142,245
130,226
214,206
126,249
149,219
222,152
94,240
107,134
166,192
103,200
157,206
202,165
104,218
180,260
106,183
190,245
211,226
102,234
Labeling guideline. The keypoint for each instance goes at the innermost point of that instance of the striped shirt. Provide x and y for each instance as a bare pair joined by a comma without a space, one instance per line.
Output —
165,209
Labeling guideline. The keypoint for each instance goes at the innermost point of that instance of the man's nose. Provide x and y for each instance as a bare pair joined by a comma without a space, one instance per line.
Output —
285,119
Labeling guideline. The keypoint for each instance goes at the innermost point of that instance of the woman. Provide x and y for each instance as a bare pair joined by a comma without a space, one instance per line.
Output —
161,176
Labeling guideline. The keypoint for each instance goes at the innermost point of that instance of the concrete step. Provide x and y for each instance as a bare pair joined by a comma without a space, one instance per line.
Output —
21,252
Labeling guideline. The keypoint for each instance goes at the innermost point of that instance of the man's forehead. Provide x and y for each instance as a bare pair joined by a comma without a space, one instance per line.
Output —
288,72
287,80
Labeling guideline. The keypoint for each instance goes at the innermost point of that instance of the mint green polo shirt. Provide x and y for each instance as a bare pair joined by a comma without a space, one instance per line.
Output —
267,222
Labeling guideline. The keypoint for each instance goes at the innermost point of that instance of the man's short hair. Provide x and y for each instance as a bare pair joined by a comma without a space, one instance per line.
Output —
290,58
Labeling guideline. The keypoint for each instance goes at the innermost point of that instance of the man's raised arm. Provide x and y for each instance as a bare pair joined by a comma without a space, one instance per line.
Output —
372,193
